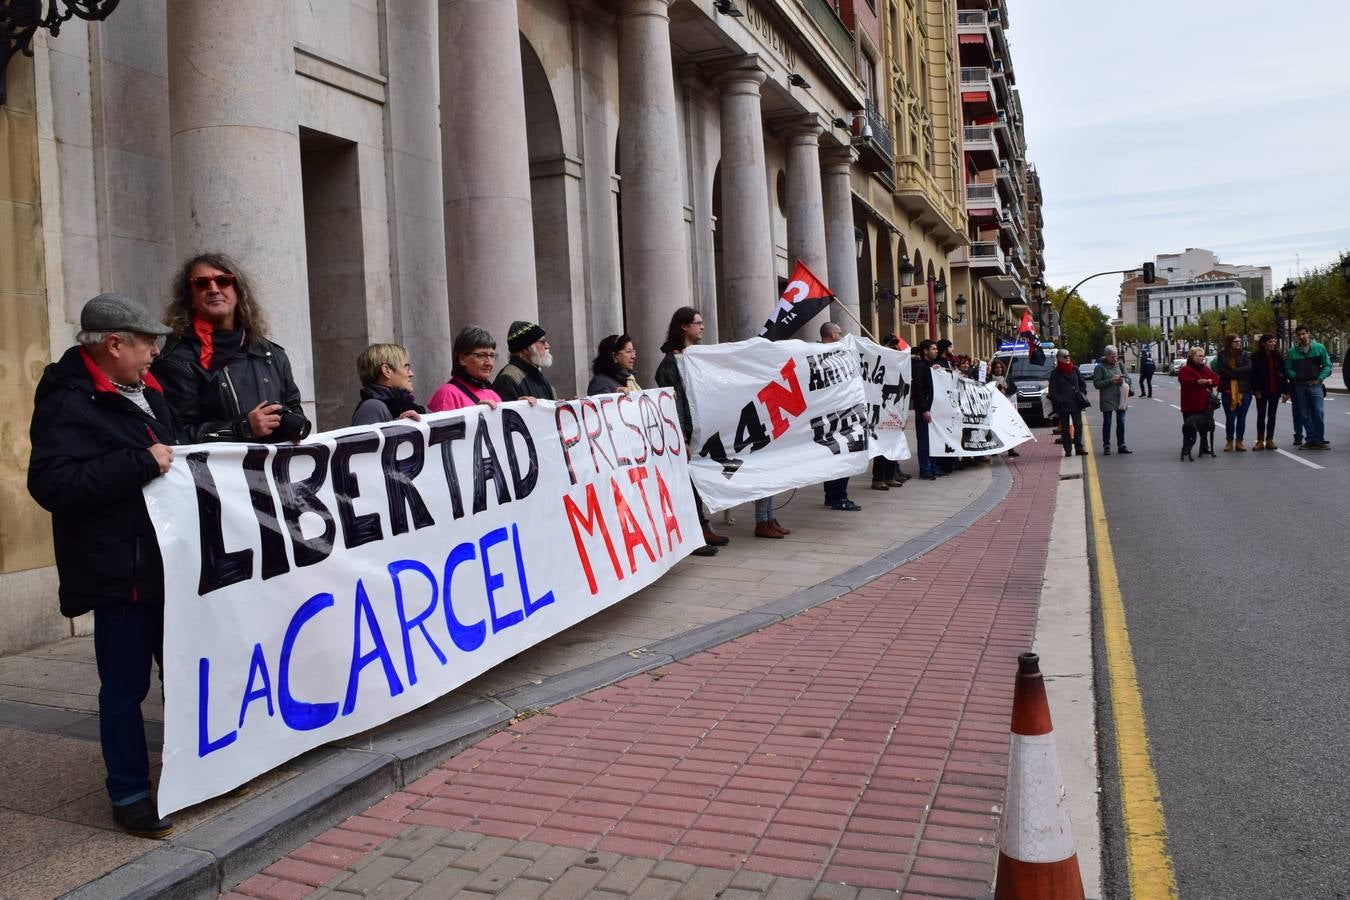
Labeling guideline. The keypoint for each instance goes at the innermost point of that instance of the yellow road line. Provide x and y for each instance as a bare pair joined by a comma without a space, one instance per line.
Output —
1150,865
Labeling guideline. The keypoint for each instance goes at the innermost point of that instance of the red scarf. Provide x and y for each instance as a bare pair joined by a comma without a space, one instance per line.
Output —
1065,367
204,332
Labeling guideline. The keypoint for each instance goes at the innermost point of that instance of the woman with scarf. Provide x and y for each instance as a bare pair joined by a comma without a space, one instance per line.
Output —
1068,394
613,367
1235,388
386,375
470,384
221,375
1269,386
1197,416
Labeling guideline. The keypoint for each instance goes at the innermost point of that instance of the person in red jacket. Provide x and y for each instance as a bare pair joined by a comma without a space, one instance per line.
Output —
1197,416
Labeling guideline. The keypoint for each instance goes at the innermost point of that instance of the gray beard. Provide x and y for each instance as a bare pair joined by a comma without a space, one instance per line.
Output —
541,360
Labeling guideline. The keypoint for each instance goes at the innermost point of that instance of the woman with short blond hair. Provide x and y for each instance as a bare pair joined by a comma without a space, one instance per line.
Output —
386,375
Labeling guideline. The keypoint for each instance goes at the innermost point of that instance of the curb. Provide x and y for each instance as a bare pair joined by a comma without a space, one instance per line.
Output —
343,778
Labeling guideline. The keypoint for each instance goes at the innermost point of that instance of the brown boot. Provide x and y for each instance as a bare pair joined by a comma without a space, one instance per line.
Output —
712,539
1239,446
1259,445
1228,446
766,530
774,523
1270,444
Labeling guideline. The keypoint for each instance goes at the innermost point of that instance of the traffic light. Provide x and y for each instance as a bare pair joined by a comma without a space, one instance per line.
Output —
1150,273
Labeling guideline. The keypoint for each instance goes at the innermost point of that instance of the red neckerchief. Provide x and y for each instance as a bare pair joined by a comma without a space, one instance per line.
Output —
1065,367
104,384
204,330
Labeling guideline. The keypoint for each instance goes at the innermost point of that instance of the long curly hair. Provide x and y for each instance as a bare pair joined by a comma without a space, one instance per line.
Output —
248,315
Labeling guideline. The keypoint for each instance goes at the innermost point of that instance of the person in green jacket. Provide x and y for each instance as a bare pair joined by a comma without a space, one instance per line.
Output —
1114,386
1308,365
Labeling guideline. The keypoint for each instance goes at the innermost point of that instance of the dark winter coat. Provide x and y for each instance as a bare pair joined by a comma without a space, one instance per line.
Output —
522,378
668,375
1267,377
921,387
380,403
90,459
213,405
1065,389
1238,370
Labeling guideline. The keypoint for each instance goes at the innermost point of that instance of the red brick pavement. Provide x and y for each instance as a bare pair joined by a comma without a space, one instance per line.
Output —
864,741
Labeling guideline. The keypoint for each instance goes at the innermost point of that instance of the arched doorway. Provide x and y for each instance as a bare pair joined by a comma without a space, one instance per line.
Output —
554,190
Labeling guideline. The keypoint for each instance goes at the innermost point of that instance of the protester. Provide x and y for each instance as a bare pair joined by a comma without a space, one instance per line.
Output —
101,429
921,405
1308,365
523,375
1114,386
1234,366
1146,369
386,375
886,473
224,379
836,489
998,377
613,367
1198,382
1068,395
686,330
475,356
945,465
1269,386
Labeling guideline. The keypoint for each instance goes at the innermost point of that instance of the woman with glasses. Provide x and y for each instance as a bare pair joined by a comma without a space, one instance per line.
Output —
613,367
224,379
470,384
386,375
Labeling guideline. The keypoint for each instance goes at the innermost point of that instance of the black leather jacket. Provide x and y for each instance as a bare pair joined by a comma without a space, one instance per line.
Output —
214,405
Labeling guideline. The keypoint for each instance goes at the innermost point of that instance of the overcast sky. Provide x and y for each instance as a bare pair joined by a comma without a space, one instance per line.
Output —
1158,126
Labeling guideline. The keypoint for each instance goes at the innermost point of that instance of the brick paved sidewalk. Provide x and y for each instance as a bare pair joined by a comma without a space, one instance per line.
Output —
857,749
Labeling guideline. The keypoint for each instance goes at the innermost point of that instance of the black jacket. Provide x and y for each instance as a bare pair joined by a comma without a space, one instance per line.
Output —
1065,389
89,462
380,403
668,376
921,387
214,405
1267,375
522,378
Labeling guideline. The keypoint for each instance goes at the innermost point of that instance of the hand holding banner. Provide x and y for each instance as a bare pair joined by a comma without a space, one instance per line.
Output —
885,377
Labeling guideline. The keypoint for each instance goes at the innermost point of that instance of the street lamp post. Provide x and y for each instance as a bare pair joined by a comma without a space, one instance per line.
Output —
1244,328
1285,299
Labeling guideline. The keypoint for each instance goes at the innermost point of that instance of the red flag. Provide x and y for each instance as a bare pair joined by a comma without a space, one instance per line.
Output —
1026,329
804,296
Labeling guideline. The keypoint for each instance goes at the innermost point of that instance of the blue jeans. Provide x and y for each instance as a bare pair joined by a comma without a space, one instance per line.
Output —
1235,417
1297,411
763,510
836,491
921,442
1310,408
1119,415
127,641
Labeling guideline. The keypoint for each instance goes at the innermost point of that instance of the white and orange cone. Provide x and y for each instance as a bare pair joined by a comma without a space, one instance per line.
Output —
1036,856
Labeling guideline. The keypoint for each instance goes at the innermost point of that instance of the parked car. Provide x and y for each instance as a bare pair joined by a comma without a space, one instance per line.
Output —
1086,369
1176,365
1029,386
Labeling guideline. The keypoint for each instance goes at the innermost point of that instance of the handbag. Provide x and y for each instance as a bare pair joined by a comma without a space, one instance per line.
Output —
1214,400
1083,401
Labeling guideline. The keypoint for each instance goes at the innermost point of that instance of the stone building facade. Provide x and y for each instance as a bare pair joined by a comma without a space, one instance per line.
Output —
397,169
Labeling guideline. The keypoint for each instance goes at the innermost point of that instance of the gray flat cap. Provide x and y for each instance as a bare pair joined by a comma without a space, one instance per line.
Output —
118,312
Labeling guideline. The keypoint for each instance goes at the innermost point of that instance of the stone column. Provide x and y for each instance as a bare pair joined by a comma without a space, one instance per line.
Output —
234,141
805,204
749,288
485,157
840,238
655,256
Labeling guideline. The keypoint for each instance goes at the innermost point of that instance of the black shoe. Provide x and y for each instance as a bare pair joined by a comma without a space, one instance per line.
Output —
1013,454
1081,451
705,550
1298,441
846,505
1123,449
1106,451
140,819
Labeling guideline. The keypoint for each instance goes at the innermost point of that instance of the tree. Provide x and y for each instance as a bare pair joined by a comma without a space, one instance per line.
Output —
1085,328
1322,301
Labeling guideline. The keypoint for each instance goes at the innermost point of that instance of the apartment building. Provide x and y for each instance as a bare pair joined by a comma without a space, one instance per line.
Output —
1004,255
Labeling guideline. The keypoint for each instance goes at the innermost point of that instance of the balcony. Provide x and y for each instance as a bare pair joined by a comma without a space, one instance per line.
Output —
872,137
974,21
918,193
986,258
833,28
1005,222
982,196
978,143
1004,172
976,78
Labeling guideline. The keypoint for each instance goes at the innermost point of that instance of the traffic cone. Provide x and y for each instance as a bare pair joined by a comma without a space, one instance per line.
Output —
1036,857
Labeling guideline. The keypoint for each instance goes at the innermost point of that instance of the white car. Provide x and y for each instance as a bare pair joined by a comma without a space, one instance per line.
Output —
1176,365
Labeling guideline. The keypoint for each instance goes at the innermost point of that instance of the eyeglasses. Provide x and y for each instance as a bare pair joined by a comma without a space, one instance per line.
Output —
221,281
484,355
696,322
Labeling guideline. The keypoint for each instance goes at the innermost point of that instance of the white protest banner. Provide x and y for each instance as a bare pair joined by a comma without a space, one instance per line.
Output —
319,589
885,376
773,415
972,419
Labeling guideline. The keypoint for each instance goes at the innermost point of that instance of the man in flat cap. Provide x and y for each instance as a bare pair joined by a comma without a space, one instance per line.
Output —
101,429
523,375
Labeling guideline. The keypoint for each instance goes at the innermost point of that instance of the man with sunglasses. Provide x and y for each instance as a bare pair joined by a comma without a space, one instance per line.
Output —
225,380
101,429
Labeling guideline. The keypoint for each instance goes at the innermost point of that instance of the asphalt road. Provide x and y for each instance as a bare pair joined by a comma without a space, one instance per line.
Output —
1233,580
